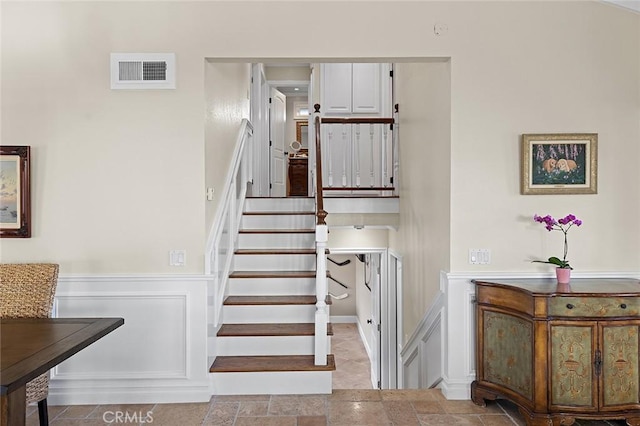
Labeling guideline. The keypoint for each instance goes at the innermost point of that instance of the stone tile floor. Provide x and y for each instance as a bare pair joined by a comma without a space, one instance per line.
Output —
358,407
353,402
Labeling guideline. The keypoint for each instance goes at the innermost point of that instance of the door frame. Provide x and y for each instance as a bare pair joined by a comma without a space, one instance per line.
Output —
273,143
289,83
260,119
388,323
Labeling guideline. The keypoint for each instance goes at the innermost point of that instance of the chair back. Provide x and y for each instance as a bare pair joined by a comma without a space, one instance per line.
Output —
27,289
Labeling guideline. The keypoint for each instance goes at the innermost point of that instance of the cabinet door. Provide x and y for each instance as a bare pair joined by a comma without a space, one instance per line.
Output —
573,382
507,352
336,89
366,88
619,355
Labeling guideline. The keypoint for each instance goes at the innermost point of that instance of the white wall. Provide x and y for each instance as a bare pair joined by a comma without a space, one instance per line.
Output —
119,176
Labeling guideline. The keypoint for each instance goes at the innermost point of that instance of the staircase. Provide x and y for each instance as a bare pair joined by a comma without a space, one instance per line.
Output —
266,342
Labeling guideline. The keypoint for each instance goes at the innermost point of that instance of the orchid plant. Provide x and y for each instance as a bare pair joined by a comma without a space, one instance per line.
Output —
562,225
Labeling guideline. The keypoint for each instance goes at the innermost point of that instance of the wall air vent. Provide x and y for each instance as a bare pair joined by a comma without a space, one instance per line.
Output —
143,71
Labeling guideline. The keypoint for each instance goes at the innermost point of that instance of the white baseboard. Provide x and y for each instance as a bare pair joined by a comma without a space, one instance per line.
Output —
344,319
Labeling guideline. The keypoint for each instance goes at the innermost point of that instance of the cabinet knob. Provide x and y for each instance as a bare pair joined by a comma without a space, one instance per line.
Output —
369,321
623,306
569,306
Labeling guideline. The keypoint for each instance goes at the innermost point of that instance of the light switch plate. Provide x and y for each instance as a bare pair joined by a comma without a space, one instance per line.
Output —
177,257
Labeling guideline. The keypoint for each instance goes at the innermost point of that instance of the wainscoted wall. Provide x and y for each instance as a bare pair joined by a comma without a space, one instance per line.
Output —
158,355
458,346
421,357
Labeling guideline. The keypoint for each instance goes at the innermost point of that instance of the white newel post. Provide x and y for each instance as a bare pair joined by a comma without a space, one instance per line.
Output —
322,311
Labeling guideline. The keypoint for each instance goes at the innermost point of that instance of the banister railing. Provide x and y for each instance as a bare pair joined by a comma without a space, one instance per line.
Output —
224,230
385,160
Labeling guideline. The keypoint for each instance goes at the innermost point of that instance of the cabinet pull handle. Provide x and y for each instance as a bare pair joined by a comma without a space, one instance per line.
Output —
598,362
569,306
623,306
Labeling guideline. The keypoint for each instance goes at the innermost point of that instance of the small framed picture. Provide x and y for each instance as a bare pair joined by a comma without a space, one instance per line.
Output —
559,163
15,192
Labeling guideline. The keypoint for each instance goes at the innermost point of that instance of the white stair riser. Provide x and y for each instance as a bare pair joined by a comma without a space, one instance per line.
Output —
292,241
265,345
275,262
234,314
279,205
272,383
287,221
272,286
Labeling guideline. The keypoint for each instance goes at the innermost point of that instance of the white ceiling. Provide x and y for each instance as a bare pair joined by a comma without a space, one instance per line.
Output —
627,4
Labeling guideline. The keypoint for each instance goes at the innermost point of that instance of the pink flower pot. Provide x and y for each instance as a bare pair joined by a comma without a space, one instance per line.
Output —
563,275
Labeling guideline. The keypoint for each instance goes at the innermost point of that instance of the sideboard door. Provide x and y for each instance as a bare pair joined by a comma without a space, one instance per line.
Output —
573,380
619,365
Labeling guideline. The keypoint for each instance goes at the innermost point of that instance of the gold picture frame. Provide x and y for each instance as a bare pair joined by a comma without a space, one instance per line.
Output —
559,163
15,192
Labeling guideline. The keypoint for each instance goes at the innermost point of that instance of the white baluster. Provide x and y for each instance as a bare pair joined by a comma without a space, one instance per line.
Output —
383,156
357,155
344,157
371,132
328,155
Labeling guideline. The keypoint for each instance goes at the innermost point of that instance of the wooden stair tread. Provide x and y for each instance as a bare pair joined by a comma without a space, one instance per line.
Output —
275,251
275,198
272,274
278,213
270,300
280,329
358,188
360,196
277,231
247,364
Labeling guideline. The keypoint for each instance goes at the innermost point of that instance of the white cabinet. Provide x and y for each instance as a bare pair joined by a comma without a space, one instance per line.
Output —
356,156
354,88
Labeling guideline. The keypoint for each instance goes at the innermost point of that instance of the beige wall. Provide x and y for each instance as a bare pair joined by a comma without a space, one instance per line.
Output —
346,274
226,104
423,237
119,176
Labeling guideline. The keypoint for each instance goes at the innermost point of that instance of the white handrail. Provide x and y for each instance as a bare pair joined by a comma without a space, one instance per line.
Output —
219,251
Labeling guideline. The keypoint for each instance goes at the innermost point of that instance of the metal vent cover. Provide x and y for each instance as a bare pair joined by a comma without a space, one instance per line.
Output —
143,71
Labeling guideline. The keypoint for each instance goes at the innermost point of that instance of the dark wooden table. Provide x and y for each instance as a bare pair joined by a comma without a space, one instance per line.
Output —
30,347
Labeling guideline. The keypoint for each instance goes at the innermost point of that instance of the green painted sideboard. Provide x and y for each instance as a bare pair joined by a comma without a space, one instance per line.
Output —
559,352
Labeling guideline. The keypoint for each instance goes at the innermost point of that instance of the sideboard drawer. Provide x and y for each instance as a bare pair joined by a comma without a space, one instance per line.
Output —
594,306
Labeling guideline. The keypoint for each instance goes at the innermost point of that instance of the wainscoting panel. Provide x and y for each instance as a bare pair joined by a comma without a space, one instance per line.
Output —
158,355
421,357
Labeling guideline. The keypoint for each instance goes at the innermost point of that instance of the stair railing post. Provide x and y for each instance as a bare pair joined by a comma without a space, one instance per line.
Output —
322,310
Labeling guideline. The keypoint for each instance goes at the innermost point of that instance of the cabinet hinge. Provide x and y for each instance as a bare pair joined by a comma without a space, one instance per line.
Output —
270,186
391,180
269,100
391,73
391,126
379,385
269,143
378,327
251,80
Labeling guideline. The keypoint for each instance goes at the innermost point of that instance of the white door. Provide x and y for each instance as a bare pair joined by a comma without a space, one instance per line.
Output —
277,120
374,271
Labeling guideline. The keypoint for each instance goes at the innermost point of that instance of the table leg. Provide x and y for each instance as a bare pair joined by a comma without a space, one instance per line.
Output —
13,407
